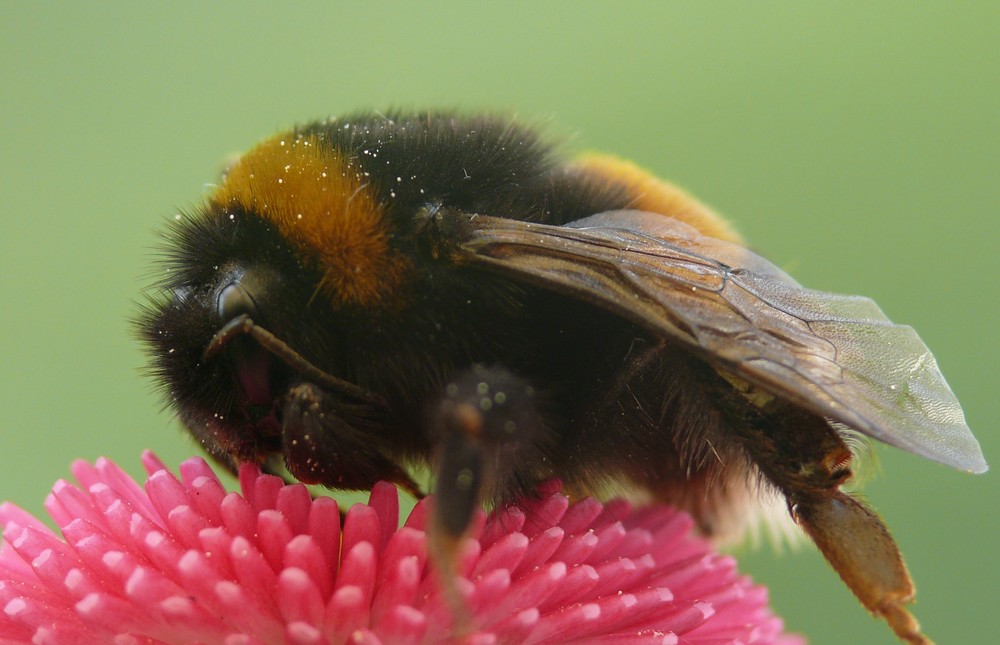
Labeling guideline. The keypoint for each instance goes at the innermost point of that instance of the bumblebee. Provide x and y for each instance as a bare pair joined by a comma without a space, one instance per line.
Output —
367,293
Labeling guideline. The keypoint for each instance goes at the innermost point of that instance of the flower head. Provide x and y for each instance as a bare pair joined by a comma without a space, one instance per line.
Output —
183,561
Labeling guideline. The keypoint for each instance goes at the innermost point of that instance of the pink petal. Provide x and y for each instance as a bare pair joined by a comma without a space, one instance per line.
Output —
180,560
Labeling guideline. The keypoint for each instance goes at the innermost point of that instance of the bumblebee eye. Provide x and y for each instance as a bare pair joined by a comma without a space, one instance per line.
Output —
235,300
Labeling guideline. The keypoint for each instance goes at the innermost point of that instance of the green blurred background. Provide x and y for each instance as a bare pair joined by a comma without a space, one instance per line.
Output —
854,144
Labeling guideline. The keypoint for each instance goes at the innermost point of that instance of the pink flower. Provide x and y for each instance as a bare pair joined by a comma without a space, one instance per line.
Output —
182,561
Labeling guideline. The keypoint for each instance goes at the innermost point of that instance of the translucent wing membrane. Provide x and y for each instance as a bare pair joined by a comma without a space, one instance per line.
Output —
835,355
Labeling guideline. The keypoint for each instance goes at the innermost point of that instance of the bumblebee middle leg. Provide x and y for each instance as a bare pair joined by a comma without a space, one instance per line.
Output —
490,444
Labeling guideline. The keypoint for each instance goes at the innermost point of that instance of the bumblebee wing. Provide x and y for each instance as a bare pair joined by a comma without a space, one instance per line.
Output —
838,356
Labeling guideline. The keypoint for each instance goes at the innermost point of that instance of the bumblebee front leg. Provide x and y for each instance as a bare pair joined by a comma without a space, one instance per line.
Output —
320,447
489,444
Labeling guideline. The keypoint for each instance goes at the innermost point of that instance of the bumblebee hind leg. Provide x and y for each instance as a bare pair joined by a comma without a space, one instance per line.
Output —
808,461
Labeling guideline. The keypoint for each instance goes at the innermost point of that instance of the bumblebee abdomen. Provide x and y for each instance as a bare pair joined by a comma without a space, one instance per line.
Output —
646,192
